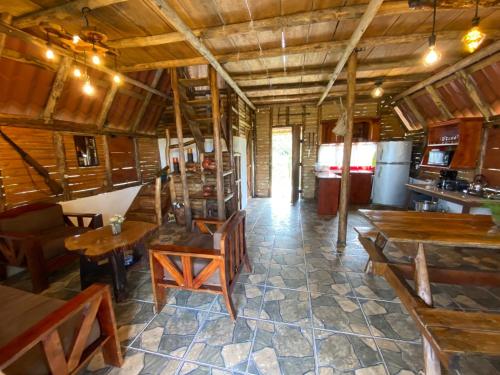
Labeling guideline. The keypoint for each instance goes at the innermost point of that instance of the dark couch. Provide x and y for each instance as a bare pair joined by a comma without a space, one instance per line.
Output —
33,236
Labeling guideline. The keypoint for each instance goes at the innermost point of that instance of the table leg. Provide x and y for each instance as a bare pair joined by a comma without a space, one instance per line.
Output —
423,287
118,272
87,271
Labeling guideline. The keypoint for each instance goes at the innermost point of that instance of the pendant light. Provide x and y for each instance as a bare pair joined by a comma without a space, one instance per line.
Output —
116,77
432,55
49,53
474,36
87,87
377,91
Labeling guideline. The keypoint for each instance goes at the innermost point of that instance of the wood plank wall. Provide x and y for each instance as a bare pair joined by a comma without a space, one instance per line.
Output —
21,184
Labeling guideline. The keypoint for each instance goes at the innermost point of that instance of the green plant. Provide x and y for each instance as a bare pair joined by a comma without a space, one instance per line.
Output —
494,207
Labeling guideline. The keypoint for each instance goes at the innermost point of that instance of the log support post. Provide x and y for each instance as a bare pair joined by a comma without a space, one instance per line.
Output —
214,93
180,140
61,163
171,184
107,163
346,161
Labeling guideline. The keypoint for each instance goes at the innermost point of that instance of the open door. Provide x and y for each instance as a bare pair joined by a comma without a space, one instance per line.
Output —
296,133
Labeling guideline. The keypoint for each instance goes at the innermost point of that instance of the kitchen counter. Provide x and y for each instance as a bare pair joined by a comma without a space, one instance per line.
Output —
467,201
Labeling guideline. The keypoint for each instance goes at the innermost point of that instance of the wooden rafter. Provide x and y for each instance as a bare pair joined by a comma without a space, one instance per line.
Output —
106,106
6,18
60,12
30,39
436,98
57,87
364,22
420,118
270,24
338,45
171,16
474,94
462,64
146,101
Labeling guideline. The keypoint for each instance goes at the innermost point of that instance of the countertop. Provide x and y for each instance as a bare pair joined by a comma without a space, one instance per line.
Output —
452,196
337,174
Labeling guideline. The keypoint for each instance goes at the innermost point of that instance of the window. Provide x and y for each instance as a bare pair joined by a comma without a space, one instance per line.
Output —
362,155
86,151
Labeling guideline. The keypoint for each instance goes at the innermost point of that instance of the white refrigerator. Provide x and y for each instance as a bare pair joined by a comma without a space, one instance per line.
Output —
392,170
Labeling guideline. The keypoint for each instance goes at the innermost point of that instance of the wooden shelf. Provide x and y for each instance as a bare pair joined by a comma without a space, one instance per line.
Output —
199,196
442,144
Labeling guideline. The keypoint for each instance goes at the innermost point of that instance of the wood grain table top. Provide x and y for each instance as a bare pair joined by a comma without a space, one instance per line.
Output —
458,230
99,242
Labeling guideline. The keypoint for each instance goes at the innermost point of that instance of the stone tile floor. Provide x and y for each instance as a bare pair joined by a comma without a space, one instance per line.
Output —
305,308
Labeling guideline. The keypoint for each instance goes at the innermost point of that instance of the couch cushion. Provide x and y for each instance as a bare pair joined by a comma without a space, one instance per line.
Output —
20,311
52,240
36,219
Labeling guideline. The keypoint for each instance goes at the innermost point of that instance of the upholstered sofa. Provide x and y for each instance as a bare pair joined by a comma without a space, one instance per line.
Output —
33,236
42,335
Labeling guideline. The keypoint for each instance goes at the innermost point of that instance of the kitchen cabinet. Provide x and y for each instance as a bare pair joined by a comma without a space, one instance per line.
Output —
364,130
361,188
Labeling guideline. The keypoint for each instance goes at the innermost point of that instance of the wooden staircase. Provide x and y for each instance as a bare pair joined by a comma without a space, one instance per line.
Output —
150,204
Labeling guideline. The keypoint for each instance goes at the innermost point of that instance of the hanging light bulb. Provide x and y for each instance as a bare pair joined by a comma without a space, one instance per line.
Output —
117,79
377,91
432,55
49,53
76,39
88,89
96,60
474,37
77,73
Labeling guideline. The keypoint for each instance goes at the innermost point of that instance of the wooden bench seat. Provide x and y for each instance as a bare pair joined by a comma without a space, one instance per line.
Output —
207,261
367,232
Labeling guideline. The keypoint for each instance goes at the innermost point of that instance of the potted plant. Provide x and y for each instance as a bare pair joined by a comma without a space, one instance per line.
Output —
116,222
494,207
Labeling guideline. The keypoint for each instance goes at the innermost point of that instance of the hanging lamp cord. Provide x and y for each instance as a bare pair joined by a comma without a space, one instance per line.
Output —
475,20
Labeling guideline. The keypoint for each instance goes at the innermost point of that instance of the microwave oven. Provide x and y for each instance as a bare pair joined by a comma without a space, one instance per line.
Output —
440,157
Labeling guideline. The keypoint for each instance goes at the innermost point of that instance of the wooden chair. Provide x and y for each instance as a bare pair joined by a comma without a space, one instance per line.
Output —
46,335
209,261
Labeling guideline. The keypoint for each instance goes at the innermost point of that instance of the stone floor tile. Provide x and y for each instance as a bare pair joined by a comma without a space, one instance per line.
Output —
258,275
282,349
291,277
401,357
338,353
372,287
389,320
259,254
338,313
186,298
171,332
189,368
328,282
287,242
247,300
131,318
286,257
223,343
354,263
287,306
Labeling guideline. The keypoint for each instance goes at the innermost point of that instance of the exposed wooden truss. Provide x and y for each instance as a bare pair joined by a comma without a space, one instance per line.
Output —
57,87
147,100
364,22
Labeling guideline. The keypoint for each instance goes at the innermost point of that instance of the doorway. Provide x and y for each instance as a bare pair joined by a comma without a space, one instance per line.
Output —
282,142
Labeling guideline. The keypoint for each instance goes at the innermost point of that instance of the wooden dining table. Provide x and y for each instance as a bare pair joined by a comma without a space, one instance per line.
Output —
456,231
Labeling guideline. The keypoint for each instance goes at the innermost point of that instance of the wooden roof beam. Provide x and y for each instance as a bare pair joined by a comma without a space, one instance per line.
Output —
364,22
274,23
146,101
57,87
172,18
303,48
60,12
309,98
462,64
31,39
6,18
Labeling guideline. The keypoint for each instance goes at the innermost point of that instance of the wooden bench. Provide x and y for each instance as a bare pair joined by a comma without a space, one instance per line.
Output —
44,335
209,261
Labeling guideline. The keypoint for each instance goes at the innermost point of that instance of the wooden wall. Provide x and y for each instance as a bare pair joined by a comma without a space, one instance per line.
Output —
21,184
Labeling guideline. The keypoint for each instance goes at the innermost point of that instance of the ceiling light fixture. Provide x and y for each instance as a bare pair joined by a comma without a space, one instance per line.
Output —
116,77
88,89
474,37
77,73
49,53
377,91
76,39
432,55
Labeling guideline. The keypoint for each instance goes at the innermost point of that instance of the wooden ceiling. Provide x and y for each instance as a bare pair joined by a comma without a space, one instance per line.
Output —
276,51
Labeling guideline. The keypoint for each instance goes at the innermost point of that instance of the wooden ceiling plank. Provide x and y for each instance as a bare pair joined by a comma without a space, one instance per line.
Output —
63,11
172,18
436,98
364,22
6,18
147,100
462,64
28,38
57,87
274,23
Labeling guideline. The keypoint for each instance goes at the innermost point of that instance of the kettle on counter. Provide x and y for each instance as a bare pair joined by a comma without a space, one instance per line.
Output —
476,187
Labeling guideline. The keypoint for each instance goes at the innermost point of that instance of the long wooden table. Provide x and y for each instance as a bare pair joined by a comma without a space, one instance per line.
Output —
480,332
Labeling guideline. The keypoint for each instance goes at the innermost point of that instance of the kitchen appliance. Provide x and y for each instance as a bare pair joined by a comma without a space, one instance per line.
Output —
477,186
426,206
439,157
392,170
448,181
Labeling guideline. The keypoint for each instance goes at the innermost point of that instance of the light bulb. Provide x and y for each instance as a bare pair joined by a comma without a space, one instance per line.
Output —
473,39
96,60
88,89
432,56
77,72
76,39
49,54
117,79
377,92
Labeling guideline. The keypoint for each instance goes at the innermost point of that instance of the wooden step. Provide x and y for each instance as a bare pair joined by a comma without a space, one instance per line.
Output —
146,215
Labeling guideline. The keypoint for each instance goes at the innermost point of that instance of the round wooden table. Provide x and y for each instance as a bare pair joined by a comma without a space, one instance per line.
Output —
98,245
